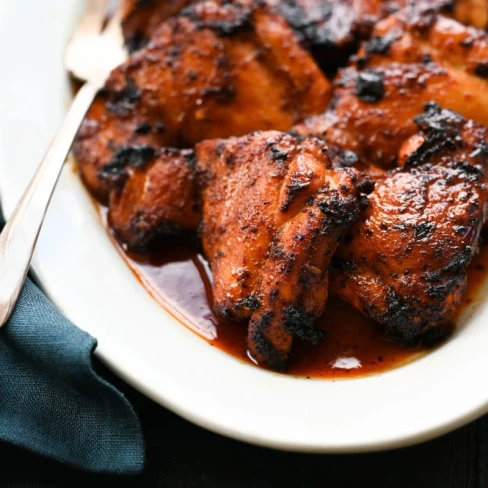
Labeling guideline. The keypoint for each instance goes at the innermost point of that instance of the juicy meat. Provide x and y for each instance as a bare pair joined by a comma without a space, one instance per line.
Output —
270,210
331,29
417,34
159,199
217,70
404,263
410,60
274,212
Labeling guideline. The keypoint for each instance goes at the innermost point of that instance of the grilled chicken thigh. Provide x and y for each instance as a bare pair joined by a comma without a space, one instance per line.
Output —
331,29
274,211
270,211
414,57
404,263
160,199
188,137
219,69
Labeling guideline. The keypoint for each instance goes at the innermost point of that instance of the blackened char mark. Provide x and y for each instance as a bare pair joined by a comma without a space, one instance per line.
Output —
441,127
340,211
301,324
292,11
423,230
482,70
143,129
329,29
278,154
136,42
239,18
143,242
370,86
468,171
275,359
315,28
401,320
124,101
190,158
381,44
437,119
124,156
251,303
460,260
348,158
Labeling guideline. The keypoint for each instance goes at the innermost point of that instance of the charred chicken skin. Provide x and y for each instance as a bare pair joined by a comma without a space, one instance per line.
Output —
216,70
159,199
404,263
414,57
274,211
188,137
331,29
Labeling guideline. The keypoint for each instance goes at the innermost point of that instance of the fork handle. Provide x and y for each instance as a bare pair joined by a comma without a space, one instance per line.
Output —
19,236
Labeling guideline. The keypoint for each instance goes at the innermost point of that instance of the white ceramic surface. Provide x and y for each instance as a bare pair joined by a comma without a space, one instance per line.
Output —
86,278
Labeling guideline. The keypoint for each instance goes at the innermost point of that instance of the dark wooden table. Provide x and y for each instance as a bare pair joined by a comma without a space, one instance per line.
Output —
181,455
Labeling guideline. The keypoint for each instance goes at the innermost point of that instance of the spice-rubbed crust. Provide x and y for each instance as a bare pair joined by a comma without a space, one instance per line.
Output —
404,263
270,210
274,211
222,126
331,29
216,70
159,200
413,57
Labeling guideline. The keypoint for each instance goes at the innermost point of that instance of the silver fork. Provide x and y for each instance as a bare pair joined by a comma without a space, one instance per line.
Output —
90,56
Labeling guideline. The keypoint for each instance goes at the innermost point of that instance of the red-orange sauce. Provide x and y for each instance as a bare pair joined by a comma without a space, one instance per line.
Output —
179,278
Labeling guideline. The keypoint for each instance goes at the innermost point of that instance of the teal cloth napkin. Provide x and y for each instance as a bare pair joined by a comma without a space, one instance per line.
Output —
52,402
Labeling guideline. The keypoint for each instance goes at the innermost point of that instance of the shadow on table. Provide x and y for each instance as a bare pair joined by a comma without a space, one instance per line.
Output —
183,455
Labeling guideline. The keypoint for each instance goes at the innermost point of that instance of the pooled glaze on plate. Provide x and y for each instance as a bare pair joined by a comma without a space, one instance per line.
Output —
179,278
